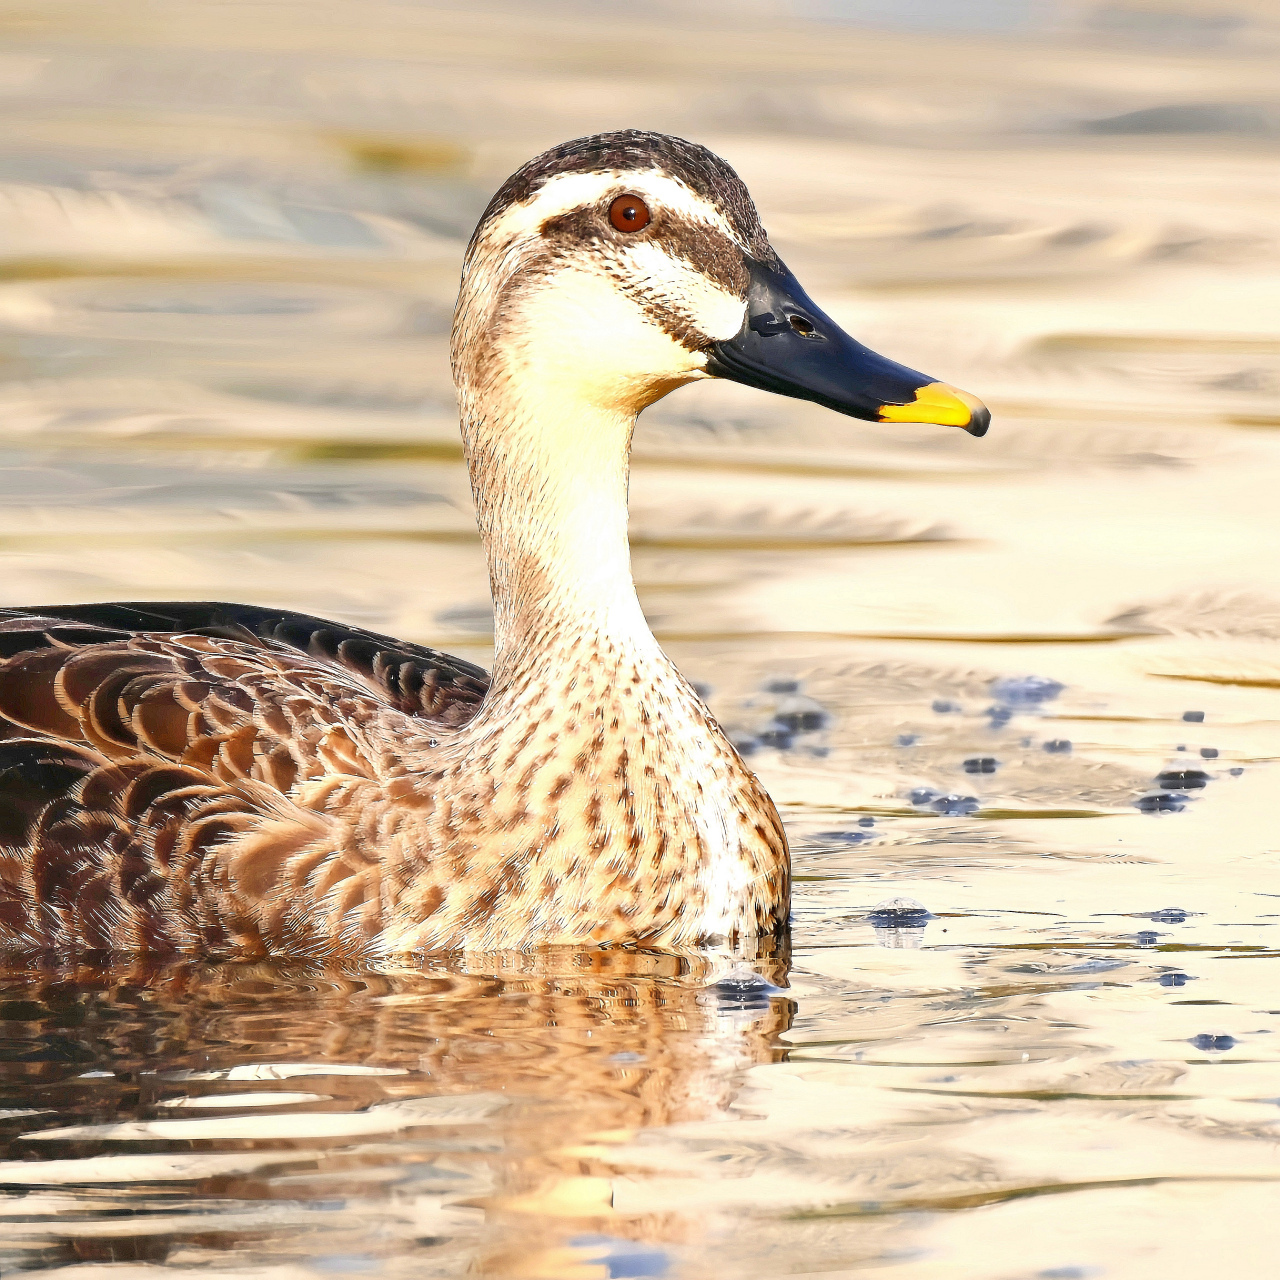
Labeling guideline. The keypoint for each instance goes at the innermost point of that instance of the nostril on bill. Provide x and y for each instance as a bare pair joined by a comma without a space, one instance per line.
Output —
803,327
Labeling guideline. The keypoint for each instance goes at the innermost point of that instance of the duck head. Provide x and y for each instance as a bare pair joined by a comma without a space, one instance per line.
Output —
614,268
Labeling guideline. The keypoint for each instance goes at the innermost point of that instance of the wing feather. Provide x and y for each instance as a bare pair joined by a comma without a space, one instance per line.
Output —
161,764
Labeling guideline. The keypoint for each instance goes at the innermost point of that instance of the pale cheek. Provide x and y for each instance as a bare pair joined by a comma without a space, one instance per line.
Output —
715,313
593,341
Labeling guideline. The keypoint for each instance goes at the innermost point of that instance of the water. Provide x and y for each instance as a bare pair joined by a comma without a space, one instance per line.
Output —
1017,697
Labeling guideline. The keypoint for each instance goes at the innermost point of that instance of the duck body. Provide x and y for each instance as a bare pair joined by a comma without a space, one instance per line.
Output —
210,777
205,778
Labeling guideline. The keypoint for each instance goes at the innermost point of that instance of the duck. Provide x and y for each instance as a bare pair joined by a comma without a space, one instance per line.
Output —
215,779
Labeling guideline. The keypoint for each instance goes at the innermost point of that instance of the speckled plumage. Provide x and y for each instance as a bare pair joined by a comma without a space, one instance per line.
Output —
206,777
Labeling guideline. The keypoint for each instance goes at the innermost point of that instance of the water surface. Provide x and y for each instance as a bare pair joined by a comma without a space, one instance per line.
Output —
1018,698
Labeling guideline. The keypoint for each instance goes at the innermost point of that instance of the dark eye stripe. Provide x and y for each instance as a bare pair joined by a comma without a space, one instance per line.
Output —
704,248
709,251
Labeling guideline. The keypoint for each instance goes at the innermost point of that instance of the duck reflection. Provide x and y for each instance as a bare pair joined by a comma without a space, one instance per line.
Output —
465,1111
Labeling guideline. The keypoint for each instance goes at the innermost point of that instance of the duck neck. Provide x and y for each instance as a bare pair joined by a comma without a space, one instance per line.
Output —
550,479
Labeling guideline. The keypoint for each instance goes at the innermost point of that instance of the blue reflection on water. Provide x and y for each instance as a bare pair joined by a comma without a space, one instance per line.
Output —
624,1259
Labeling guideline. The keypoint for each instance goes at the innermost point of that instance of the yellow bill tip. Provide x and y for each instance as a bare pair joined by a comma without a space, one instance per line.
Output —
943,404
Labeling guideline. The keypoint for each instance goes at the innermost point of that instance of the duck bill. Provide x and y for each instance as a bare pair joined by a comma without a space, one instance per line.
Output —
789,345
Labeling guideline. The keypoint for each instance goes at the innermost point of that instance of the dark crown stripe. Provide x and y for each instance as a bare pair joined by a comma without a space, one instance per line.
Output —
702,170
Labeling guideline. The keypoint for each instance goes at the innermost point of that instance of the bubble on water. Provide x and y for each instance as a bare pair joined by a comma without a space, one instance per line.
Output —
802,719
1183,779
999,716
981,764
742,988
944,706
955,805
785,714
1173,979
866,822
1162,802
1209,753
841,837
1236,772
1193,717
781,686
1167,915
1058,746
908,739
900,913
1213,1042
922,795
1025,691
1146,937
899,923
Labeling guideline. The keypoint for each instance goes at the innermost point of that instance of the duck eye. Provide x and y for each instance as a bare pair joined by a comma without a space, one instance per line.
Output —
629,213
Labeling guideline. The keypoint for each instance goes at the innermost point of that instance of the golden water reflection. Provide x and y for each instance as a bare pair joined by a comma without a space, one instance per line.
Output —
472,1113
1029,683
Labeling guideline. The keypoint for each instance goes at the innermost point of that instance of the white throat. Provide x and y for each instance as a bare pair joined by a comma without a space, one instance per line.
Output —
550,484
547,417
